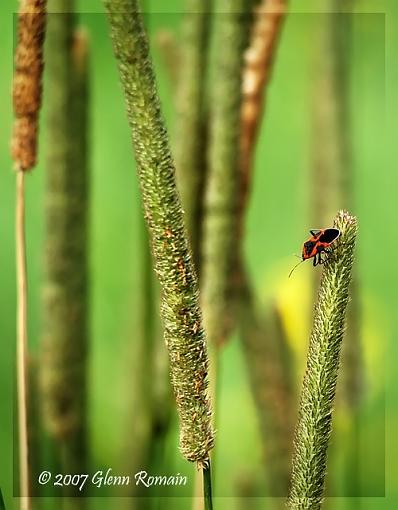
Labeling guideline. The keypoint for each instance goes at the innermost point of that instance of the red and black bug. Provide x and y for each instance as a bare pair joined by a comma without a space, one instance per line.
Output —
318,244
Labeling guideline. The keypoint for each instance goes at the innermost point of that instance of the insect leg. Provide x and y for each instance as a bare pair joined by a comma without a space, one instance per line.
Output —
329,253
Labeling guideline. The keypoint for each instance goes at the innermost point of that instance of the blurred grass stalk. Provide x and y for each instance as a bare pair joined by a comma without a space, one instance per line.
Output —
258,60
231,28
64,346
333,187
332,176
352,357
313,428
269,373
326,162
183,331
27,91
191,118
263,340
148,414
167,46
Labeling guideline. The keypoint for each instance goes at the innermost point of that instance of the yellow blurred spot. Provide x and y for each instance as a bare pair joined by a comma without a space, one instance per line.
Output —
295,297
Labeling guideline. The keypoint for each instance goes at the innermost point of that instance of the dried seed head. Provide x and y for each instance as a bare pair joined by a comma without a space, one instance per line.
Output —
27,82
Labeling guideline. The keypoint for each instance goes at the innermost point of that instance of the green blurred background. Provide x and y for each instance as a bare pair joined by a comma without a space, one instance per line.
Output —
278,220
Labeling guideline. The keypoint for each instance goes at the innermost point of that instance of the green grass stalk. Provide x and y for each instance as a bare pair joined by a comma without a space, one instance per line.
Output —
183,331
141,404
63,375
341,33
268,372
314,424
340,20
352,358
333,187
325,165
190,138
231,26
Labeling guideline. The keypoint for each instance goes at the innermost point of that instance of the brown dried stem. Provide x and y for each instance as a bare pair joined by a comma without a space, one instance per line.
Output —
26,102
22,343
258,61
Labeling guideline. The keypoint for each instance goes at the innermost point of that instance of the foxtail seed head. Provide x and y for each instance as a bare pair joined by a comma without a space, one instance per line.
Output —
319,385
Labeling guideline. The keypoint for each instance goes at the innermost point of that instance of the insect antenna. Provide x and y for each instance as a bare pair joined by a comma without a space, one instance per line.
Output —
298,263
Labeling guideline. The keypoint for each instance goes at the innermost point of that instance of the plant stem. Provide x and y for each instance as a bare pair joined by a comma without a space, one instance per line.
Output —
22,342
231,26
141,405
190,139
340,34
183,331
207,490
319,386
34,426
258,62
333,187
325,136
272,393
27,87
352,363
